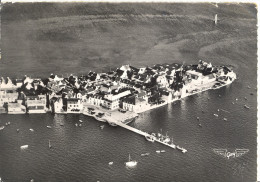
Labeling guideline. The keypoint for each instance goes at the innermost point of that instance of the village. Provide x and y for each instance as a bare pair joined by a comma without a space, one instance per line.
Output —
124,92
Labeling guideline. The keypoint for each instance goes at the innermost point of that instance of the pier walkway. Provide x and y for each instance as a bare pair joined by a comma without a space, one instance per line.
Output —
147,135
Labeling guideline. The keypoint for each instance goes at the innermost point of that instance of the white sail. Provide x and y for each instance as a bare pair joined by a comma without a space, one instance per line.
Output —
216,19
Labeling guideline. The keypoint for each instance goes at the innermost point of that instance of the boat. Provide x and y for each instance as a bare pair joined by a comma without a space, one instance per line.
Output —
246,106
32,130
50,144
200,125
150,138
24,146
9,123
17,130
216,115
145,154
80,121
162,151
2,127
102,127
225,119
130,163
111,163
61,124
198,118
76,124
48,126
80,125
158,151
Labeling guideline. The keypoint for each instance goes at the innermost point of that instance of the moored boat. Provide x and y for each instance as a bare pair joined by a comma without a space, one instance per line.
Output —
24,146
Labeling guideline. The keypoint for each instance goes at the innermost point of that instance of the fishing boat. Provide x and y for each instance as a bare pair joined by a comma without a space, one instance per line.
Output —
48,126
24,146
50,144
32,130
2,127
130,163
111,163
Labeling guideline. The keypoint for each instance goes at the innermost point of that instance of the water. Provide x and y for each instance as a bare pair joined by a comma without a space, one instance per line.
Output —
83,153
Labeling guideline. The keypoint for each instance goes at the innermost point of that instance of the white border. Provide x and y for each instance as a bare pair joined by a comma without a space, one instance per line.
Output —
180,1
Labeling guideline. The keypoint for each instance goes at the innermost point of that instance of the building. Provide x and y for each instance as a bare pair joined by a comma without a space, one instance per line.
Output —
58,106
112,101
74,105
198,78
135,104
7,96
36,104
16,108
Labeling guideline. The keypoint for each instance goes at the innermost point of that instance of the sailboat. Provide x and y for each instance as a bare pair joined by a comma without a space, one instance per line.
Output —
131,163
50,144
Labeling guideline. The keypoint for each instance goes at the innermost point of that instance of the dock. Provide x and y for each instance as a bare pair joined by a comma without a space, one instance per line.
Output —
112,117
145,134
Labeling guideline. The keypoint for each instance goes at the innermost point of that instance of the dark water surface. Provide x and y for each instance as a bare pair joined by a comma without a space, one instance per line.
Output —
83,153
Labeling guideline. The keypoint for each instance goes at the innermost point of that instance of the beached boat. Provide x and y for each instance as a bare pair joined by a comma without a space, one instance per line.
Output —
130,163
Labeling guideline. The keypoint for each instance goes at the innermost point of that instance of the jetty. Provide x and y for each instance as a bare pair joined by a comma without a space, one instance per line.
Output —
113,120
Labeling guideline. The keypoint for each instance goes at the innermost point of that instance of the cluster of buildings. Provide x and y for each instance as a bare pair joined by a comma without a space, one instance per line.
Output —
127,88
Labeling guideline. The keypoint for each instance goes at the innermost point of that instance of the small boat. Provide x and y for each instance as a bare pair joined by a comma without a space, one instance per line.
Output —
216,115
218,110
9,123
80,125
50,144
162,151
76,124
245,98
61,124
248,86
246,106
80,121
225,119
32,130
233,103
2,127
158,151
198,118
236,99
48,126
145,154
130,163
6,124
200,125
24,146
150,138
111,163
102,127
17,130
